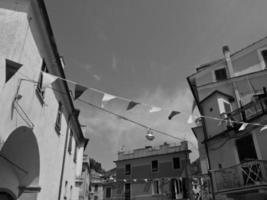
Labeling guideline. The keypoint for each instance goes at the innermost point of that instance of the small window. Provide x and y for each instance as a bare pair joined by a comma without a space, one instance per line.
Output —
95,198
108,192
176,163
70,141
264,56
127,169
220,74
11,68
39,89
96,188
156,188
227,107
154,166
75,152
58,119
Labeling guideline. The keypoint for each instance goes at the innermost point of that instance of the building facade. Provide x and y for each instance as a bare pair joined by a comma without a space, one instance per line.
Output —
83,182
36,122
96,185
231,96
153,173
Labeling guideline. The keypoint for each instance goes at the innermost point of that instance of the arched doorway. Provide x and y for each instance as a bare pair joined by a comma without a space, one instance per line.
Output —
19,163
5,196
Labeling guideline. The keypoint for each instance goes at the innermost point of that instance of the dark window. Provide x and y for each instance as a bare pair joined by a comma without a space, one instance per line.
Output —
59,116
39,89
156,187
75,152
227,107
95,197
108,192
70,142
176,163
127,193
220,74
127,169
96,188
11,68
264,55
154,166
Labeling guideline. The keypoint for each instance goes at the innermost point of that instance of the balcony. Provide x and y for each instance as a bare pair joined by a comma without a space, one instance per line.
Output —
256,108
247,176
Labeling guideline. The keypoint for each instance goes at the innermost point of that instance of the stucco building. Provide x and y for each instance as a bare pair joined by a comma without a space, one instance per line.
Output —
84,180
231,96
158,172
96,185
42,142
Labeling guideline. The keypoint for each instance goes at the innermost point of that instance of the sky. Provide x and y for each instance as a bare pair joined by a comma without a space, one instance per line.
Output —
143,50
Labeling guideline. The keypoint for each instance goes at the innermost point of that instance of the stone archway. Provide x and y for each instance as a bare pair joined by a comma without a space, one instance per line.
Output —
20,163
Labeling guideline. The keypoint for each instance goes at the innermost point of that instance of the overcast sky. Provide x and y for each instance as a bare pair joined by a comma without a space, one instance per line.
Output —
144,50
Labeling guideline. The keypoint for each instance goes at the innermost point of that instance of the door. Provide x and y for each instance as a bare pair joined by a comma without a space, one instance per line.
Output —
251,171
127,191
246,149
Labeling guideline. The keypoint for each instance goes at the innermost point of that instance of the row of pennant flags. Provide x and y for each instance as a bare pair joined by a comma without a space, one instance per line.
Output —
146,180
48,79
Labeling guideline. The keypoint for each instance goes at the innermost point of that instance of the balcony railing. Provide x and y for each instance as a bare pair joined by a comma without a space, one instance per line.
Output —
240,176
250,111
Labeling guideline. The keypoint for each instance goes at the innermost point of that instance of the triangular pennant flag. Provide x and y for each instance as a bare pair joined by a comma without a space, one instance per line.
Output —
243,127
106,98
131,105
190,119
79,90
48,79
155,109
173,113
263,128
11,68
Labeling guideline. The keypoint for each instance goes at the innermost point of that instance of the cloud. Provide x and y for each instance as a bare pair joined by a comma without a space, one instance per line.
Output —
114,63
97,77
108,133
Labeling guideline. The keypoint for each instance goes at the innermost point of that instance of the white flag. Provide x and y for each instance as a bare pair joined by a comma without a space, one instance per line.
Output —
190,119
48,79
106,98
263,128
155,109
243,127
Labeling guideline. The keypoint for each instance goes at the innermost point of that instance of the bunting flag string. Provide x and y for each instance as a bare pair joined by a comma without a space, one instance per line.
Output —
80,89
106,97
231,121
173,113
191,117
48,79
131,105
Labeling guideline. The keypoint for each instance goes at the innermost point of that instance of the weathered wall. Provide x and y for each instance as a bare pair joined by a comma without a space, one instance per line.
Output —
23,39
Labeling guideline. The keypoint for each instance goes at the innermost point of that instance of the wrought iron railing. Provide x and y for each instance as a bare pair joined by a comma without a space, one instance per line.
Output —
243,175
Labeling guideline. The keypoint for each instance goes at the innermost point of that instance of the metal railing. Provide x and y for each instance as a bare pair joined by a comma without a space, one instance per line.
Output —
250,111
242,175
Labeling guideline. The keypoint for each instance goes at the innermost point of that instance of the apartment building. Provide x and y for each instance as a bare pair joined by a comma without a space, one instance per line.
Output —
230,94
37,123
159,172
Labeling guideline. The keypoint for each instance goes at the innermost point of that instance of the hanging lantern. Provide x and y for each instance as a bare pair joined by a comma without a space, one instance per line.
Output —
149,135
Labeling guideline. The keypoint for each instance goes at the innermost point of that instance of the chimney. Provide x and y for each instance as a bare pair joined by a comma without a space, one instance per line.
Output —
226,53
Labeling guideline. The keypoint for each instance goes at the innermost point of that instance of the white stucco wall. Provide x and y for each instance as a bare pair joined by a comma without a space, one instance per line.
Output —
23,39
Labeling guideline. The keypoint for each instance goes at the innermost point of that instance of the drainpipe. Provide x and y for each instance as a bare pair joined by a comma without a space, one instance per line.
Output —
64,159
195,94
229,65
